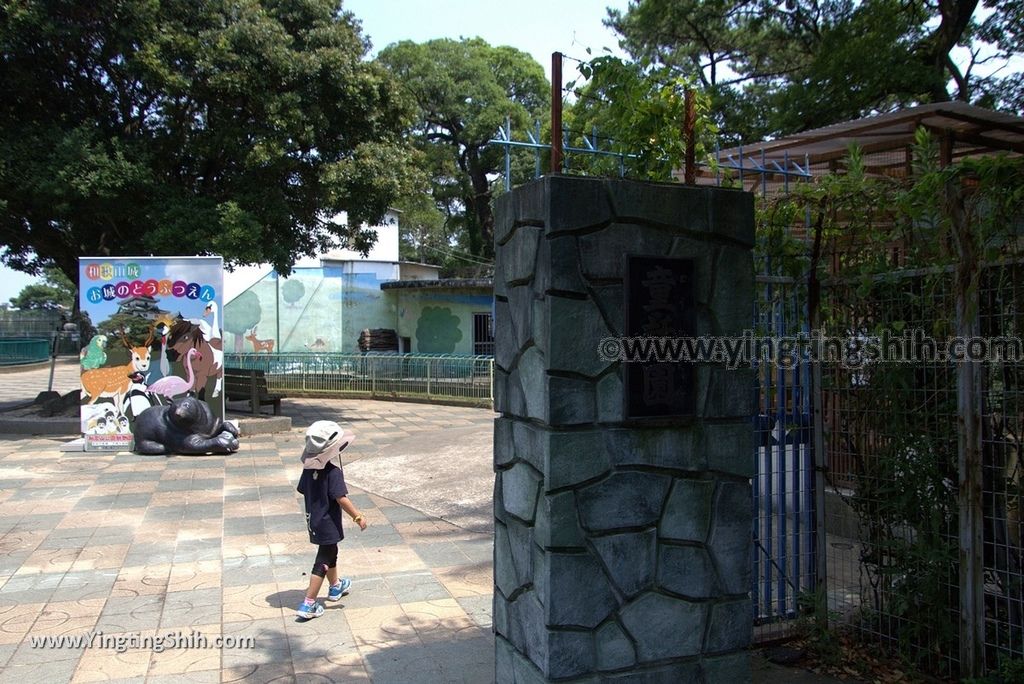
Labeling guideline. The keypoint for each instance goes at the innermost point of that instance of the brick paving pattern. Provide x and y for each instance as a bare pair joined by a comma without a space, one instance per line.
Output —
122,544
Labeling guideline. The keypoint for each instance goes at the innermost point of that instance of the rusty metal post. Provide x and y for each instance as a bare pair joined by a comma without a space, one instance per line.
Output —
556,112
689,138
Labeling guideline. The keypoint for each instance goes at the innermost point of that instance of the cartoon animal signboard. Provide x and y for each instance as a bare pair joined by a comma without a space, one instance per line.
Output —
158,338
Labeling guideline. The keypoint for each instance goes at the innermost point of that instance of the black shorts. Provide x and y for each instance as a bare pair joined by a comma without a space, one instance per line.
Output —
326,558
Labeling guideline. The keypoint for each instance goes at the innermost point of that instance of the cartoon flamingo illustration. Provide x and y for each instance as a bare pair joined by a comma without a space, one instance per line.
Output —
171,385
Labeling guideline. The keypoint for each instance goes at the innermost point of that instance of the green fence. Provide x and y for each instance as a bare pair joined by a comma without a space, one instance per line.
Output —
466,379
19,350
22,325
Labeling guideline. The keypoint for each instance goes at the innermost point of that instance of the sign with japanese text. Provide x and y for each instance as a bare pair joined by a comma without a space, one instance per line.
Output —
155,336
659,312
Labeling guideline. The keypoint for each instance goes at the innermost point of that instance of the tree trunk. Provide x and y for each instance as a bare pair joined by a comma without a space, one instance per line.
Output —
955,17
479,203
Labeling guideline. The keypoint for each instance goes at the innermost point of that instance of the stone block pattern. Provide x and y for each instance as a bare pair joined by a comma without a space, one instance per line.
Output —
622,549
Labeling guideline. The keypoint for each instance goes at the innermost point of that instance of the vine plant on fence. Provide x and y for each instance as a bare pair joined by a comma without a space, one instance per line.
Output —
888,254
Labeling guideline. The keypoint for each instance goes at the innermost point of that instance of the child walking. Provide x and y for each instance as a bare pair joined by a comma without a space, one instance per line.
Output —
322,485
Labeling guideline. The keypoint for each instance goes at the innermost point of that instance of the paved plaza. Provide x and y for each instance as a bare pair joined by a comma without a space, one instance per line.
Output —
116,547
121,545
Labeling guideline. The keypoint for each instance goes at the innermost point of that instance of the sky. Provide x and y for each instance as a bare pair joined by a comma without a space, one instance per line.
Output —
538,27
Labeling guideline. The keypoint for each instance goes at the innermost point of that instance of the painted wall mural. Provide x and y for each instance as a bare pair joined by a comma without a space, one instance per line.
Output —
412,303
325,309
365,306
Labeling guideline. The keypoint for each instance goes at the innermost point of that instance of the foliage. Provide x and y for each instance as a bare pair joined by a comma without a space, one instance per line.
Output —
56,291
424,233
886,255
642,110
233,127
464,92
136,330
778,68
812,627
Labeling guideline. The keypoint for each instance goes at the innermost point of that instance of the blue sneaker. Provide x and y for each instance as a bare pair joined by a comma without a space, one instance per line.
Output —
309,611
338,590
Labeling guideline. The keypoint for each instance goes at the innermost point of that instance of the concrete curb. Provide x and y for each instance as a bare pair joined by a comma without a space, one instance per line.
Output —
71,427
24,425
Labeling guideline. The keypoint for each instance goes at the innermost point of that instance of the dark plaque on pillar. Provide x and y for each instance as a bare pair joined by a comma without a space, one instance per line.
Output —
659,313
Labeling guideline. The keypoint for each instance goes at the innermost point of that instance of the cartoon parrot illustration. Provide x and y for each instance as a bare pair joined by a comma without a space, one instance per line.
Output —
93,355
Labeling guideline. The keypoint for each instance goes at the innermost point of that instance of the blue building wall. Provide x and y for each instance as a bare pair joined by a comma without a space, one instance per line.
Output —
326,309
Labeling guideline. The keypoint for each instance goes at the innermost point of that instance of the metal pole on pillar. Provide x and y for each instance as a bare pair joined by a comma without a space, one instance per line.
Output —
536,151
689,139
556,112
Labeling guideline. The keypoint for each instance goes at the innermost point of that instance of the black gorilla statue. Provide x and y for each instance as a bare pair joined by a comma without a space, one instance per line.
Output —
185,426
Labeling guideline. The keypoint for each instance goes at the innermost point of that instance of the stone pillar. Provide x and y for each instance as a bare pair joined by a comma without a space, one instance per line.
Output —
622,546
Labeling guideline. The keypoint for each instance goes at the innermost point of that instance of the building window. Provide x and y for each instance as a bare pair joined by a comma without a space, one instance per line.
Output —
483,334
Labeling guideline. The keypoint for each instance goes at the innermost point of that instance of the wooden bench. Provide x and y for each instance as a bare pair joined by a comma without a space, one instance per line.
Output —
250,385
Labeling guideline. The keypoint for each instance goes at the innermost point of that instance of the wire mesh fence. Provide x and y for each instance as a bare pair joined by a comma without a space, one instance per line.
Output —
1002,410
462,379
911,263
891,435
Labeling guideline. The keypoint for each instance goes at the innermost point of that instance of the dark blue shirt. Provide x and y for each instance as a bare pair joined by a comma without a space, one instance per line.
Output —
321,490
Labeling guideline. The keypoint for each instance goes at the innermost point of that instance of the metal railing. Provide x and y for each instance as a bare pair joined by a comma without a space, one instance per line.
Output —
19,350
786,531
463,379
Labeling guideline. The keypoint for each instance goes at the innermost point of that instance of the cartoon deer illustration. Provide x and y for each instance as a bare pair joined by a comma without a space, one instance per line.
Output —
260,345
115,381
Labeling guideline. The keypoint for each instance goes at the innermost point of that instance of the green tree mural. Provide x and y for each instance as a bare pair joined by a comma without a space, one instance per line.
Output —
437,330
241,314
292,291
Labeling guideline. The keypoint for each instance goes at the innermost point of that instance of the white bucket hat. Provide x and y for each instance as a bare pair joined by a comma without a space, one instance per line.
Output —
321,436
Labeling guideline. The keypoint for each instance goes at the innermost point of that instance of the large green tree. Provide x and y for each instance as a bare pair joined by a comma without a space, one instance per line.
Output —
780,67
644,111
464,90
233,127
55,291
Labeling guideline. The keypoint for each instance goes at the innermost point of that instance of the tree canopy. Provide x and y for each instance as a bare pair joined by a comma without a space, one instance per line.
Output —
644,110
776,68
233,127
55,291
464,90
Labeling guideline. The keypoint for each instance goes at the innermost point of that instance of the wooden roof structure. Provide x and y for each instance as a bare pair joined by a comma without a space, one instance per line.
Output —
961,129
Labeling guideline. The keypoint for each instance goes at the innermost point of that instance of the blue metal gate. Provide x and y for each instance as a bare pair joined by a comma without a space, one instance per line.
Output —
784,534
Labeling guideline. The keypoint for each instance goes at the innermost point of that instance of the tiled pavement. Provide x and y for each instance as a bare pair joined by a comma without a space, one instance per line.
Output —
120,545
